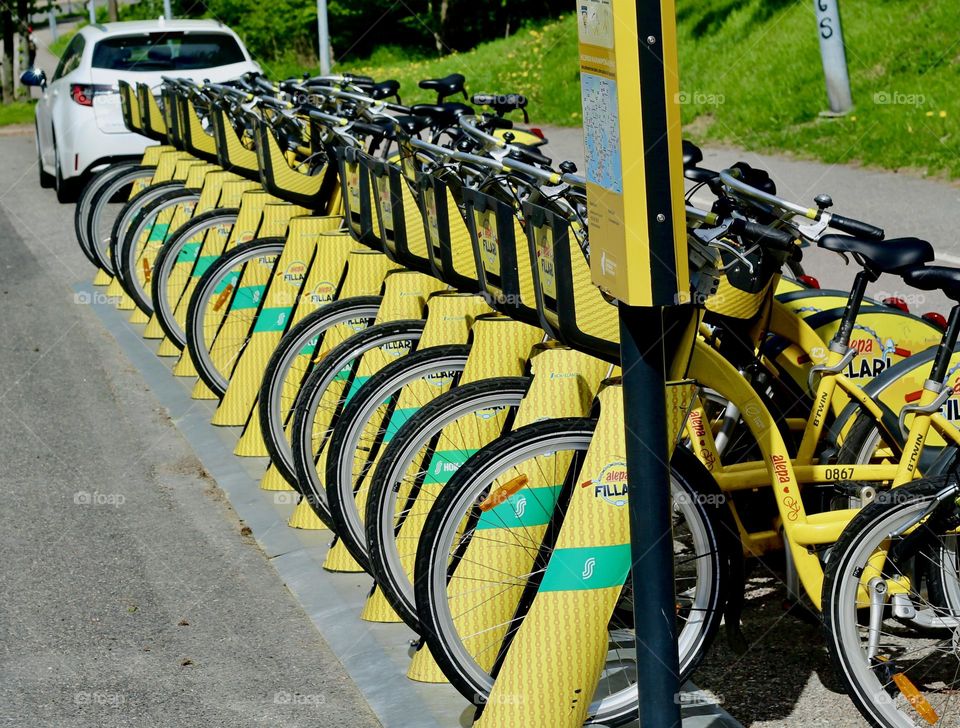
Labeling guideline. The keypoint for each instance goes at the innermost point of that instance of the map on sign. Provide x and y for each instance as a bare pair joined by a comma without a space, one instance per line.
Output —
596,23
601,131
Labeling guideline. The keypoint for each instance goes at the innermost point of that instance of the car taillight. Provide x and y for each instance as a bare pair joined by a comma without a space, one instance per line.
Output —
83,93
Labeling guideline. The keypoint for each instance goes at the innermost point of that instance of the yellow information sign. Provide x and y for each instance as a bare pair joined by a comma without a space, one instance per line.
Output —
637,217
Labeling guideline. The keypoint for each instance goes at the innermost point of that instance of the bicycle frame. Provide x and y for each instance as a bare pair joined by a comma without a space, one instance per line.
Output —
787,474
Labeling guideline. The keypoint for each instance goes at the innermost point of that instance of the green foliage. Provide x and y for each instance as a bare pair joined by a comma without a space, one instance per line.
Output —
60,44
751,75
538,61
17,112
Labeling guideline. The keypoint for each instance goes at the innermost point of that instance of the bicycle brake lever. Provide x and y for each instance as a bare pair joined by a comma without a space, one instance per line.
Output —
814,230
713,236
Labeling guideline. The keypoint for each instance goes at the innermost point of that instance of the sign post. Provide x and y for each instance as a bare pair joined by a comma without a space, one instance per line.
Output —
834,55
323,33
632,135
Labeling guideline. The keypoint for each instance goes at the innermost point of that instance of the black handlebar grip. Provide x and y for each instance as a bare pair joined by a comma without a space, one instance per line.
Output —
765,236
856,228
352,78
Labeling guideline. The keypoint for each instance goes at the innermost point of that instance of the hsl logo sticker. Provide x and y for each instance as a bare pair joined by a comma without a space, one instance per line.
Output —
611,484
520,506
588,567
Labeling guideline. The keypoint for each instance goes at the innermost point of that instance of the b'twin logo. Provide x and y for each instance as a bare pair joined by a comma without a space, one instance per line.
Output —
588,567
521,506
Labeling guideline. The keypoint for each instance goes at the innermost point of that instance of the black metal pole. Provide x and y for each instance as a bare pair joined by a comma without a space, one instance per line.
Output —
651,543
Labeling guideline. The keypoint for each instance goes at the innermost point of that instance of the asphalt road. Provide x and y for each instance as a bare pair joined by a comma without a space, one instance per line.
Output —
128,594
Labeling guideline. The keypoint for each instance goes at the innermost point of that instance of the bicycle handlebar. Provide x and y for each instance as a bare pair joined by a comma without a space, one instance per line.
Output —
856,227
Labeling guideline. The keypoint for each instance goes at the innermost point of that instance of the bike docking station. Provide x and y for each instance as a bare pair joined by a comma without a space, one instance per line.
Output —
637,218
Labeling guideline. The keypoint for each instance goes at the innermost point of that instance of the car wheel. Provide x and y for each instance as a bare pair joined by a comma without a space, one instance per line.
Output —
65,189
47,180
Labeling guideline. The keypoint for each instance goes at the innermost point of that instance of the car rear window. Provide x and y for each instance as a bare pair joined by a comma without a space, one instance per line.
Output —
166,52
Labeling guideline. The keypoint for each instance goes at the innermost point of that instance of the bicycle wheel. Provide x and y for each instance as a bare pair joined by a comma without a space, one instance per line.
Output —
479,563
424,452
131,208
897,676
224,307
83,211
292,361
176,264
142,242
325,392
368,423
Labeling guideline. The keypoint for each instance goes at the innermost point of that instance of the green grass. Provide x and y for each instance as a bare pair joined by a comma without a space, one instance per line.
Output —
539,62
751,76
60,44
19,112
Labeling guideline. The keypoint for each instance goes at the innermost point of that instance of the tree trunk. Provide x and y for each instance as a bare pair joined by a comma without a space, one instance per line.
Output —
23,31
441,25
112,11
6,21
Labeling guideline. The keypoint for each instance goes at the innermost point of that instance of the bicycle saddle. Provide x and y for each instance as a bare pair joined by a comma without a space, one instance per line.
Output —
883,256
384,89
523,153
446,86
441,114
935,277
692,154
412,124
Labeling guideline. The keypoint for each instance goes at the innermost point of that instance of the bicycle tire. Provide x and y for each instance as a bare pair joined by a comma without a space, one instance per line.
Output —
169,256
318,386
390,505
134,247
130,210
868,677
199,340
274,416
83,210
352,434
465,490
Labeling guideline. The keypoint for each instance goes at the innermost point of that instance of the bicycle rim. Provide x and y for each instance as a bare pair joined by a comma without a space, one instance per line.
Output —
497,575
293,360
903,678
381,407
224,307
174,267
325,393
142,244
104,213
414,468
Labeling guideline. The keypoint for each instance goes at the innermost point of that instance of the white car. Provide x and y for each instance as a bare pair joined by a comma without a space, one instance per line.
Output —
79,124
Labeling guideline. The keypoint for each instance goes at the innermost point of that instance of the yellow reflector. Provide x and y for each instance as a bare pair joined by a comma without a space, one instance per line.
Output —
915,698
501,494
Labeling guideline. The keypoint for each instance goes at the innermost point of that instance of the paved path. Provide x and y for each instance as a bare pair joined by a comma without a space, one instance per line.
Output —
128,596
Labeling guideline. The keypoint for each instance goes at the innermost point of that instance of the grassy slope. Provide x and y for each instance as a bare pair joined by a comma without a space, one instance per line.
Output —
751,76
539,62
19,112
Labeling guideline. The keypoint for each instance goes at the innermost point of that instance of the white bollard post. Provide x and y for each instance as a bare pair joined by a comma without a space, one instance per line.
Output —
323,31
834,56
